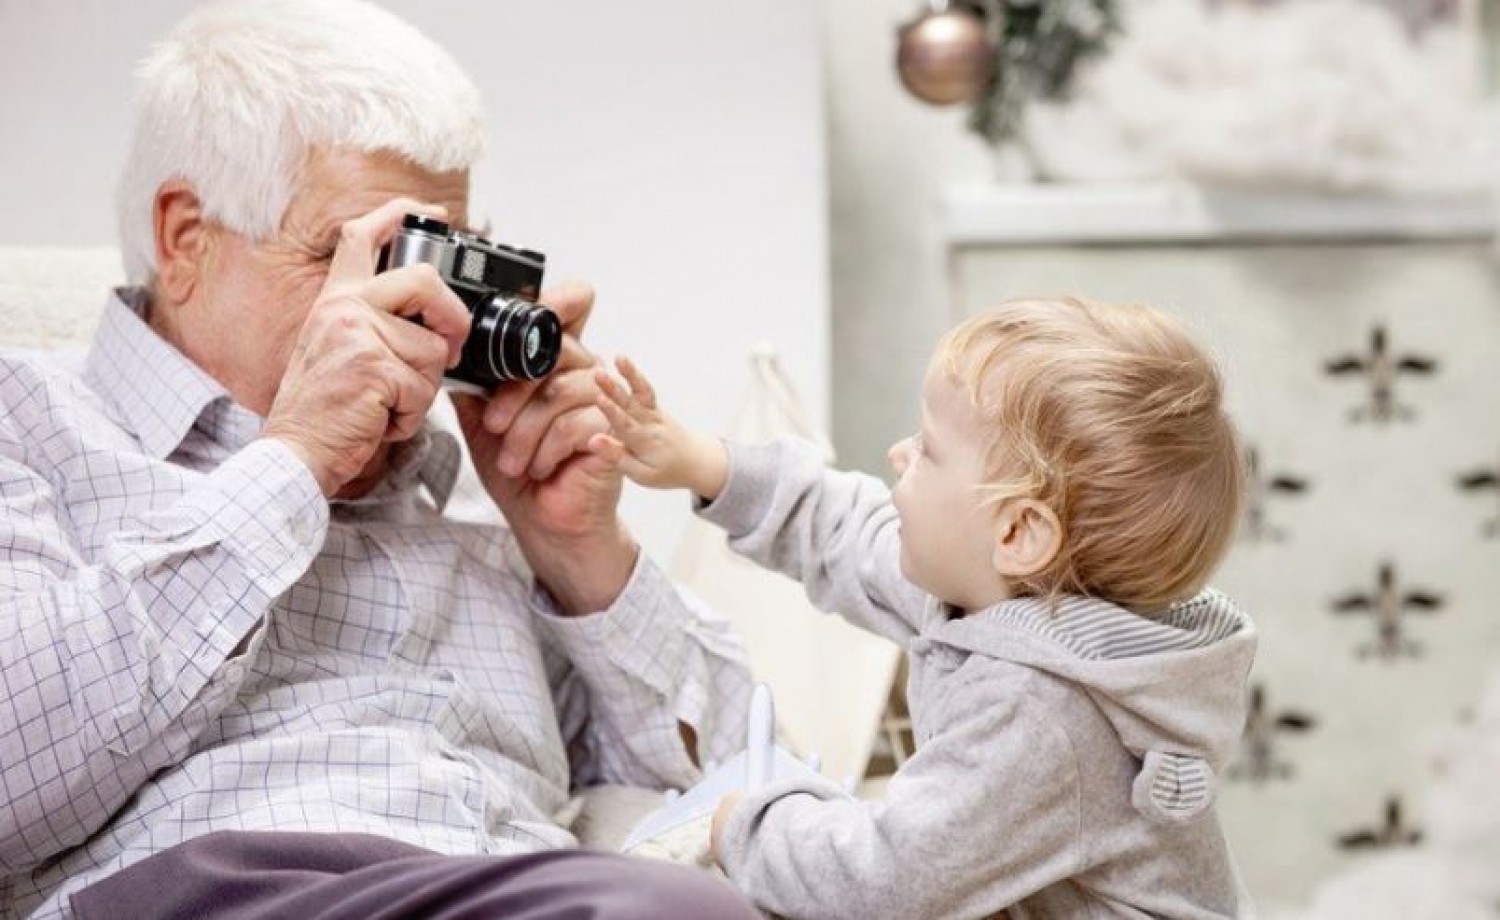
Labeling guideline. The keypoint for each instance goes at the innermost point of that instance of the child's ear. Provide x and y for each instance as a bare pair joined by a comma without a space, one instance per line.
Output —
1028,536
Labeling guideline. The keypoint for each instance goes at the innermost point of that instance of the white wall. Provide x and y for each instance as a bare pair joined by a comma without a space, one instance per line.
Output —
889,158
670,151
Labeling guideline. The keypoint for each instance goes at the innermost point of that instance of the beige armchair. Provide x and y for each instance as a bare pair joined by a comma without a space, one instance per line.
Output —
51,300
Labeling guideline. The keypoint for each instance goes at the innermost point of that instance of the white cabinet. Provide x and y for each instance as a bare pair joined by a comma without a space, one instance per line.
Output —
1371,563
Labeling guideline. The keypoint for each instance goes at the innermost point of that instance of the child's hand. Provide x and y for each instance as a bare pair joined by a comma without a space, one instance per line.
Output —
648,445
726,808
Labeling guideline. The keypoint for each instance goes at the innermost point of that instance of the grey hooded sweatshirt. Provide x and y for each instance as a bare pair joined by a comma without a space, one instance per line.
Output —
1066,757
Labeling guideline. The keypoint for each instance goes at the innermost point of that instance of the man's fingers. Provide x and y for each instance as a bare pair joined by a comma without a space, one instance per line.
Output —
360,239
573,302
569,434
420,349
412,397
511,398
561,393
377,373
418,292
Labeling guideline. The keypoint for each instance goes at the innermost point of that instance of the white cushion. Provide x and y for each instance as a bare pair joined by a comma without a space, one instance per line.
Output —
53,296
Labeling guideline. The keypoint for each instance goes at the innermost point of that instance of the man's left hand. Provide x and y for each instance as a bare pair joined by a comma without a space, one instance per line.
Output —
530,449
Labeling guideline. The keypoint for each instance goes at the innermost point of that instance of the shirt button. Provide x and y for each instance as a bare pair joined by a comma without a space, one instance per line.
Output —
302,530
920,645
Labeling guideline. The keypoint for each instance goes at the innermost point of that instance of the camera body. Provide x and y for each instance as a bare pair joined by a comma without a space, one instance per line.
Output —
511,336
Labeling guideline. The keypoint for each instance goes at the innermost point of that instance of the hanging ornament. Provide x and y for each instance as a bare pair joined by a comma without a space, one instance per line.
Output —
946,55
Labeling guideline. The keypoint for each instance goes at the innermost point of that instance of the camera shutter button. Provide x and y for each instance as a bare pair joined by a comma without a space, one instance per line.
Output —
425,224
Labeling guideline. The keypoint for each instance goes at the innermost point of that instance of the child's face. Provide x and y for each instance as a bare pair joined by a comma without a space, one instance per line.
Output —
947,535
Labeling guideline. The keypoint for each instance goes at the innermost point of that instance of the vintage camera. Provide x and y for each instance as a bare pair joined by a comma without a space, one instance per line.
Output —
512,337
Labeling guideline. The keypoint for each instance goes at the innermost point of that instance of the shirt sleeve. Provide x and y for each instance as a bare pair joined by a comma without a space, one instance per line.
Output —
111,664
655,660
986,813
835,532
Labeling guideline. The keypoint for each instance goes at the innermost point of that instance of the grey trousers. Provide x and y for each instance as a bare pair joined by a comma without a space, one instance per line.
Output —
302,876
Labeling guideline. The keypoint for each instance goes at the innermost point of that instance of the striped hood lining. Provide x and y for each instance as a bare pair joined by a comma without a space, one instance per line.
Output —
1095,629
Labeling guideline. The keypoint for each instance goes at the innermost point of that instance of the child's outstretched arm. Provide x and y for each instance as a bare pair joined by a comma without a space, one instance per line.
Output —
651,447
781,507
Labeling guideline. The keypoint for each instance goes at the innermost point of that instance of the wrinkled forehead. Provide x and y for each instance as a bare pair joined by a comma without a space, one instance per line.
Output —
339,184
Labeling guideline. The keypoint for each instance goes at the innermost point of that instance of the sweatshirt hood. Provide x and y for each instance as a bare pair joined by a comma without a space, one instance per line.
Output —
1172,686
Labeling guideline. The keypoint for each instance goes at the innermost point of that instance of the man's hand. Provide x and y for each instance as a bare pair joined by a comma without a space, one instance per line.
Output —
362,373
651,447
530,448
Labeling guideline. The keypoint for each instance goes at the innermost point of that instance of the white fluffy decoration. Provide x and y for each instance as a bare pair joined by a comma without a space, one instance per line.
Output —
1453,874
1328,95
52,297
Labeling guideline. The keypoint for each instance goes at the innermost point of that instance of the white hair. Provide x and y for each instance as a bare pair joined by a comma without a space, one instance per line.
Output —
240,92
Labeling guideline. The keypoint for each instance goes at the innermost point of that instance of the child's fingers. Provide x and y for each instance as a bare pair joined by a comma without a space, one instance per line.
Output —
608,447
639,385
611,388
633,412
618,456
619,419
626,400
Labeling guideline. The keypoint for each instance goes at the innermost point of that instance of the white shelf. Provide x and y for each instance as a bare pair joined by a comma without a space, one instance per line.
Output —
992,214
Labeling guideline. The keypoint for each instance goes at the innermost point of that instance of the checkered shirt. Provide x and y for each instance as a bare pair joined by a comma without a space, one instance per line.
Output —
193,640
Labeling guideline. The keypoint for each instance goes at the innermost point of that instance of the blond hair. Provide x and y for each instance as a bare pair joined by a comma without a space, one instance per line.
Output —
1112,417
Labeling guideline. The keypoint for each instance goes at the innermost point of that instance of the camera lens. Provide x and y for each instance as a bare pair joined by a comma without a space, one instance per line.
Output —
513,339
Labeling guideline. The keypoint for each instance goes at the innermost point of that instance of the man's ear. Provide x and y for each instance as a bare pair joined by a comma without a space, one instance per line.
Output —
182,239
1028,536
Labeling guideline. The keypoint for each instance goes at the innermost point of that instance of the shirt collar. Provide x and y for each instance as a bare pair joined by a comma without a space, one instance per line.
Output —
161,395
159,392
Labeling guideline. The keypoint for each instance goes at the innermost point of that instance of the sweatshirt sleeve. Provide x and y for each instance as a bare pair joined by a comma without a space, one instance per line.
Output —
985,814
835,532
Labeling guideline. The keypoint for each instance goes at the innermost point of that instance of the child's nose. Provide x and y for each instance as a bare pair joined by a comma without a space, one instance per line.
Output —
899,454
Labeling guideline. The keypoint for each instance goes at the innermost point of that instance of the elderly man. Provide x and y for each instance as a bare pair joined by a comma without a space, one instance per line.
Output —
247,666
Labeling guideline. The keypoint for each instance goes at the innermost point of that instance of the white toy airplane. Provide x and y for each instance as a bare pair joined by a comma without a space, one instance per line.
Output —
762,762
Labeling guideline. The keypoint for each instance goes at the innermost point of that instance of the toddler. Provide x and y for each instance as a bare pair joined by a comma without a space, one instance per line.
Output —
1074,688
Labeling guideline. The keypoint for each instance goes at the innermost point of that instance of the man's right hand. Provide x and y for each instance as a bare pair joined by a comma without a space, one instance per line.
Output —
362,374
